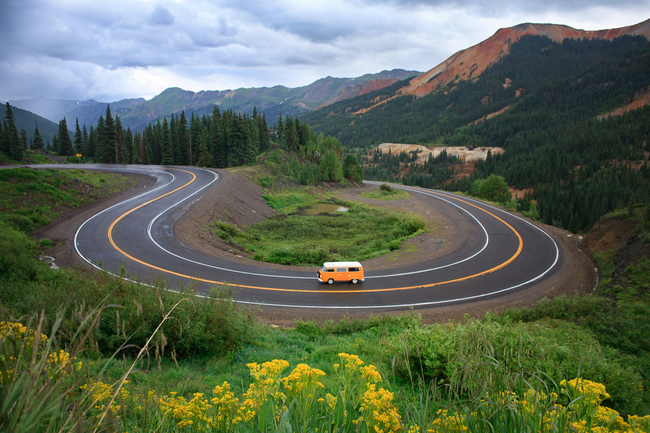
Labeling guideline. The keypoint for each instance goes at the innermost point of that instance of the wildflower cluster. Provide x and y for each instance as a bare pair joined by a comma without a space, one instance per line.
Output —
299,399
187,412
375,404
101,394
18,331
17,346
541,412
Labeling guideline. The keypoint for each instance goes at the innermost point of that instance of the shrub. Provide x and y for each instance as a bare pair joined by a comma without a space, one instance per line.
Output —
17,255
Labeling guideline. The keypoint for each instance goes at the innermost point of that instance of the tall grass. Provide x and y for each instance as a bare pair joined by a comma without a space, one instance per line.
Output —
48,388
207,326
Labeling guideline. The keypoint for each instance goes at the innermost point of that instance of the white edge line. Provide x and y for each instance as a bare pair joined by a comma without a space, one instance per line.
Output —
487,241
76,235
336,307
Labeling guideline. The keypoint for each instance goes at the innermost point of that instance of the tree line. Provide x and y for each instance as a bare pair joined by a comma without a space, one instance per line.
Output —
220,140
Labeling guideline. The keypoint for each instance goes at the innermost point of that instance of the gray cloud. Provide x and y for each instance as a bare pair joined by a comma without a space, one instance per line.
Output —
161,17
83,50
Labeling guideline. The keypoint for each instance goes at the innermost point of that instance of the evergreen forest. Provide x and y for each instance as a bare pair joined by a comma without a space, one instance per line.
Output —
574,162
221,140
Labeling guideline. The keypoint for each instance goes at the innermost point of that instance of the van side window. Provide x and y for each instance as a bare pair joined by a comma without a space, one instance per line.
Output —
353,270
329,270
341,269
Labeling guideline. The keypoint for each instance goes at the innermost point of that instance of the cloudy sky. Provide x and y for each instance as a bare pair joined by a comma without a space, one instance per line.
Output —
107,51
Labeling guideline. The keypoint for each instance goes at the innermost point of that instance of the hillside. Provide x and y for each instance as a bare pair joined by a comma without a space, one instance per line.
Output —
470,63
570,116
138,113
28,121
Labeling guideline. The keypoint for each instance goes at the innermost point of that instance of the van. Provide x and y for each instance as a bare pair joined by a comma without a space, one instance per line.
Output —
332,272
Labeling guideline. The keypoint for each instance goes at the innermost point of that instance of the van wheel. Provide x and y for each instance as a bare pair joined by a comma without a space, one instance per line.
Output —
330,281
355,281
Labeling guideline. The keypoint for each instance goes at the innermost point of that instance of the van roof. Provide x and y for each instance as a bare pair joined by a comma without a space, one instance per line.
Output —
342,265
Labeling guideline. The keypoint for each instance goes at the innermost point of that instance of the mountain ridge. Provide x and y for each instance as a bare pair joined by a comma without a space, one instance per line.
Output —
137,113
471,62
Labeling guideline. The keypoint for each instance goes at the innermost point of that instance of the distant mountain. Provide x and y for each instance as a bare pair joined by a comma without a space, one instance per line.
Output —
138,113
470,63
570,109
86,111
29,121
457,93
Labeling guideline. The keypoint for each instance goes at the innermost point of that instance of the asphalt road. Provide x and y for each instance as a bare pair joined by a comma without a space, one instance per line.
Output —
134,239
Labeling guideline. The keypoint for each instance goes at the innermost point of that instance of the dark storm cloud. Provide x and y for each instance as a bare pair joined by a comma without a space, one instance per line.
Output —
502,5
161,17
80,49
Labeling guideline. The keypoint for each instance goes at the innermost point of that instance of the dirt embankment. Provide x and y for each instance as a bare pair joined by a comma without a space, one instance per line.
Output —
618,235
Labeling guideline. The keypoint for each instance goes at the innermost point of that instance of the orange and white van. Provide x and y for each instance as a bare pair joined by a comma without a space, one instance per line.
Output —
333,272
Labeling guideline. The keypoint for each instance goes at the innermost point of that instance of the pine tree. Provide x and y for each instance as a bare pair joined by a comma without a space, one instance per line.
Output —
204,159
38,140
167,150
4,143
11,144
23,138
135,156
182,157
78,139
119,141
279,131
85,143
127,149
107,139
65,143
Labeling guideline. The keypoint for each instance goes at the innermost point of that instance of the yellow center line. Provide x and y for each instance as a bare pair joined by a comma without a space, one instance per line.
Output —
496,268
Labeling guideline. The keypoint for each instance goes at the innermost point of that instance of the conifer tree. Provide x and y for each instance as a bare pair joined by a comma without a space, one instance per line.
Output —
55,144
4,143
204,159
119,141
11,144
38,140
166,144
78,139
85,143
65,143
279,131
23,138
136,150
107,139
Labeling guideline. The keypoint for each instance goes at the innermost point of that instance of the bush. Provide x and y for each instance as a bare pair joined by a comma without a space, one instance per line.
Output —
462,357
18,222
17,254
494,189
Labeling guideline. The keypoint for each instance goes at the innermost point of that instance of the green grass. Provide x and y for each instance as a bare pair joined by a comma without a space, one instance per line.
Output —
361,233
32,197
465,368
388,195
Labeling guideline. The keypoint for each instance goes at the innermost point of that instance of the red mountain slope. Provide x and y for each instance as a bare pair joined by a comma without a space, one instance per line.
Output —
470,63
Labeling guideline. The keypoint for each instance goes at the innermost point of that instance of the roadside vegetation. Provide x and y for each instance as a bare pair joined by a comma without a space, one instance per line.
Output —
386,192
356,232
32,198
86,351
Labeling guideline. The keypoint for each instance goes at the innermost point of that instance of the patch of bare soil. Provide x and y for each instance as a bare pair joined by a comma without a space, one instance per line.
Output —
618,234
